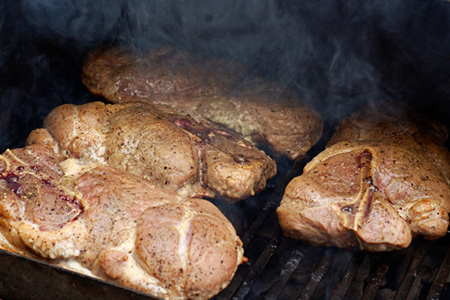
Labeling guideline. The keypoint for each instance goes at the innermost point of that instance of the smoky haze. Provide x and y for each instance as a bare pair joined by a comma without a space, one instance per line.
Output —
337,54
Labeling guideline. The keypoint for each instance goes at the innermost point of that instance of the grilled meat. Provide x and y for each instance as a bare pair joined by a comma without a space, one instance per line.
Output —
173,151
399,124
381,181
207,90
113,225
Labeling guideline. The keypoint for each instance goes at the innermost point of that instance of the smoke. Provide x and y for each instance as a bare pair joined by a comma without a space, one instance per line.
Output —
417,35
2,15
83,22
337,54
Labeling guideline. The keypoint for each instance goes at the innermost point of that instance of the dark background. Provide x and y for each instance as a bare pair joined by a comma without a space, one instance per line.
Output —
338,55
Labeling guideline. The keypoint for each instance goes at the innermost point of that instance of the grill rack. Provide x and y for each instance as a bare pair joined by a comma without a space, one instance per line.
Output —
277,267
286,269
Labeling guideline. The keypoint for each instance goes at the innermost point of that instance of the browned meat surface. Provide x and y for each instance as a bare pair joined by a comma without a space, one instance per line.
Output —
400,124
158,73
375,194
171,150
206,89
115,226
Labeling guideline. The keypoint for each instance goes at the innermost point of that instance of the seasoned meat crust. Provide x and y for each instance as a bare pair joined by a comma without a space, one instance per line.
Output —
381,181
400,124
171,150
158,73
207,90
114,225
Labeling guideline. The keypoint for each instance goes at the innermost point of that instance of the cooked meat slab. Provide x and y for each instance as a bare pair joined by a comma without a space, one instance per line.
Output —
207,90
113,225
158,73
172,150
376,191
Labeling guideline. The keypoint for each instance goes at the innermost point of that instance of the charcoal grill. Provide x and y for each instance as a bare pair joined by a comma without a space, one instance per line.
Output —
401,47
277,267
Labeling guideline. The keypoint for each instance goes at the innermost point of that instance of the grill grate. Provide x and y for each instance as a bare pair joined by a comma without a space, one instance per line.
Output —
441,277
281,268
277,268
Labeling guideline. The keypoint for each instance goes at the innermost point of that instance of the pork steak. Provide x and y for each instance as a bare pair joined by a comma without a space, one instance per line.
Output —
171,150
381,181
209,90
115,226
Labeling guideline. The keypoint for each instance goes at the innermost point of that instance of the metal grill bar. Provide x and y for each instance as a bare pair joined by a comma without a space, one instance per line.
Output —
26,278
316,277
271,202
441,278
286,273
259,265
415,289
411,274
377,279
341,289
